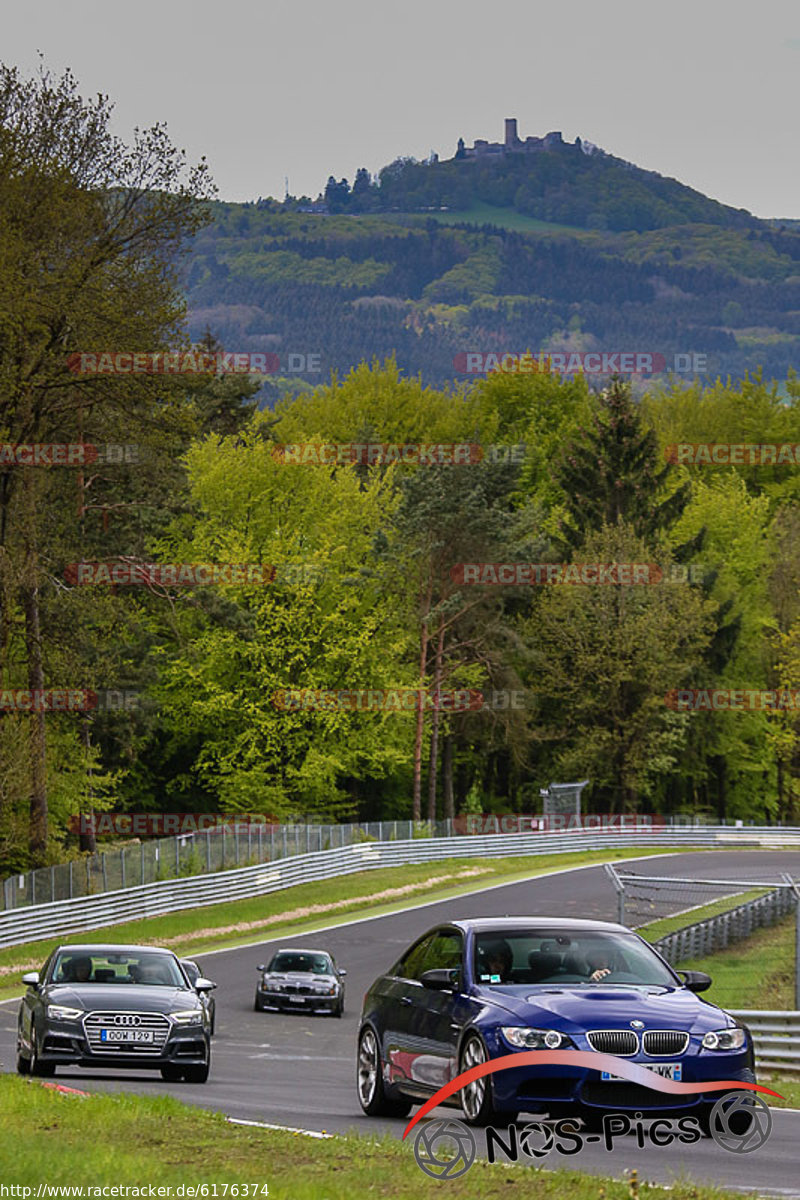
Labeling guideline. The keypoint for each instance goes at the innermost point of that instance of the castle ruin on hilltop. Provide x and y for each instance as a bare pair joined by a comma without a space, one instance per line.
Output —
512,144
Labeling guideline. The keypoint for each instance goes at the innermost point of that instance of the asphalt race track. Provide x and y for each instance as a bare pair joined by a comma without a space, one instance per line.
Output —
299,1070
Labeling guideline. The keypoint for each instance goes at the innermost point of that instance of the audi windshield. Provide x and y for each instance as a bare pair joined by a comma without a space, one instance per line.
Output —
159,970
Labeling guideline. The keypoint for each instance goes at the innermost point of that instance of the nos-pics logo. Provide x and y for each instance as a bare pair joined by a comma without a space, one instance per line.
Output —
739,1122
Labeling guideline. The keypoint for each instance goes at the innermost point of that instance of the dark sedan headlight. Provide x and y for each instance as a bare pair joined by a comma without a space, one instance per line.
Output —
62,1012
524,1038
268,986
187,1016
725,1039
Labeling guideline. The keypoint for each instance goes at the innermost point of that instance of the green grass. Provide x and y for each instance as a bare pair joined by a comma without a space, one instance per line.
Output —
757,972
658,929
134,1140
297,909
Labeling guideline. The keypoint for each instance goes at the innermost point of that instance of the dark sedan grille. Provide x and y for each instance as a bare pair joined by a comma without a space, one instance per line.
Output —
664,1041
613,1041
298,989
98,1021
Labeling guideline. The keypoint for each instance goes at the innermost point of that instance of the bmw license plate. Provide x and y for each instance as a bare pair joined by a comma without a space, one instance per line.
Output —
297,999
126,1035
666,1070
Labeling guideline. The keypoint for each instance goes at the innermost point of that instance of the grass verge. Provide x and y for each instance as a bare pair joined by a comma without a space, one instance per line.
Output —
133,1141
658,929
306,907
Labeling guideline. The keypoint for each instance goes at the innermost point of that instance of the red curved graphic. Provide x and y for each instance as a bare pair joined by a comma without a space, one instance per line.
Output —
592,1059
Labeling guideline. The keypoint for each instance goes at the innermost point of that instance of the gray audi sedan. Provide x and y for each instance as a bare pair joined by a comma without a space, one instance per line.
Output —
104,1006
301,979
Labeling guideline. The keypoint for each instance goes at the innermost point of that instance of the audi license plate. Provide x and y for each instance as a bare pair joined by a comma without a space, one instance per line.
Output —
667,1070
126,1035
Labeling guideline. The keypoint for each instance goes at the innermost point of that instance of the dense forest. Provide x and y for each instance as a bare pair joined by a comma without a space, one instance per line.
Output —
356,288
369,591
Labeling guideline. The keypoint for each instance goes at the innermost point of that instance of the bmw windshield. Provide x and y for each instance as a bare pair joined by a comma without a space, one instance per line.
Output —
555,957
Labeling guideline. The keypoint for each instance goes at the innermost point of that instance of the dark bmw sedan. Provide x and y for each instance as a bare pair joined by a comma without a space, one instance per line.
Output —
301,979
114,1006
474,990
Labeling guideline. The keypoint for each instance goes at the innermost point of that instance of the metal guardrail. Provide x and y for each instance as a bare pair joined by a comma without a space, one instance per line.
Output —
191,854
195,854
173,895
776,1036
723,929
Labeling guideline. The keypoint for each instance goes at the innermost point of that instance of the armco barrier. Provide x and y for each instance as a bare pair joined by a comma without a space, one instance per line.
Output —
776,1036
173,895
724,929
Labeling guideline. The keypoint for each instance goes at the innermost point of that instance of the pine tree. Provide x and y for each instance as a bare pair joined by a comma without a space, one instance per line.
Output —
612,475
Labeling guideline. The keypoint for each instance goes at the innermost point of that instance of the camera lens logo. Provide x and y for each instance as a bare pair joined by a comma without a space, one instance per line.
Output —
444,1149
740,1122
536,1139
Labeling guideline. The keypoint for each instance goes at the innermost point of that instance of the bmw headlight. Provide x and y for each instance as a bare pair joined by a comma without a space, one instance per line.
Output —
60,1012
524,1038
188,1016
725,1039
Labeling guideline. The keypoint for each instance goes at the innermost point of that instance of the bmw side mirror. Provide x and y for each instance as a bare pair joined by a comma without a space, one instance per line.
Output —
203,985
439,979
696,981
261,967
31,979
342,971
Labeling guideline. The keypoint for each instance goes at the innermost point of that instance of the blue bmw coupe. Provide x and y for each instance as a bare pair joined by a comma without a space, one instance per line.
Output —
470,991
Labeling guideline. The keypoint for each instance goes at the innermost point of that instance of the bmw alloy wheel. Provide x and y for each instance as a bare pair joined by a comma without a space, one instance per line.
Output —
476,1099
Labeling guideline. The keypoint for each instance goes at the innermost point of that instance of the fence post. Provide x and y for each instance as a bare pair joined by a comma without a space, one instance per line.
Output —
208,850
122,865
70,879
141,859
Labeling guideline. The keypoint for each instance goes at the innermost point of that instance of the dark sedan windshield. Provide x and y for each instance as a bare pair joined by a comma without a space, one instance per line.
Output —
291,960
83,967
556,956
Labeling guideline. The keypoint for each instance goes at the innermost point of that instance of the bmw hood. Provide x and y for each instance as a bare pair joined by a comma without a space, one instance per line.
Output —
113,998
606,1008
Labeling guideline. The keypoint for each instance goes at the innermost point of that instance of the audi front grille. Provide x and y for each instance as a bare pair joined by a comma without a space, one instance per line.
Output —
623,1042
97,1021
664,1042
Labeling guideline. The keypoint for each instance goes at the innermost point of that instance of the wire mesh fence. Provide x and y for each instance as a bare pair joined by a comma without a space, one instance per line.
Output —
219,849
708,924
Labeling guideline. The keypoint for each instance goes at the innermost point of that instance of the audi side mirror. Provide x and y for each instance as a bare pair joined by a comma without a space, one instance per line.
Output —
439,979
342,971
31,979
203,985
696,981
261,967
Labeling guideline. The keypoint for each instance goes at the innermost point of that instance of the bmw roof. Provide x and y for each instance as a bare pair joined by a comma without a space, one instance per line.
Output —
480,924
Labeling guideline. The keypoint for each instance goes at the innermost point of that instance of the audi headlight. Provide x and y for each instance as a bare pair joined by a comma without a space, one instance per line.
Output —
533,1039
188,1016
60,1012
725,1039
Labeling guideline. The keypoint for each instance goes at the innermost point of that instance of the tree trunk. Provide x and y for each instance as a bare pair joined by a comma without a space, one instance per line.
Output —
88,842
435,716
38,743
447,776
419,732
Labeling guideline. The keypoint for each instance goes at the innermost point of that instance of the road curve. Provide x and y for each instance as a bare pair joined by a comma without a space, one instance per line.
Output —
296,1070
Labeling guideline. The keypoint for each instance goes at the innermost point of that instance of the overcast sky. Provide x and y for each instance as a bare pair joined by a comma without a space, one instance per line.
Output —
695,89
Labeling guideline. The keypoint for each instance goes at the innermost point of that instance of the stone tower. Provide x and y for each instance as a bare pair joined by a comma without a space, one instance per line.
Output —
511,133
